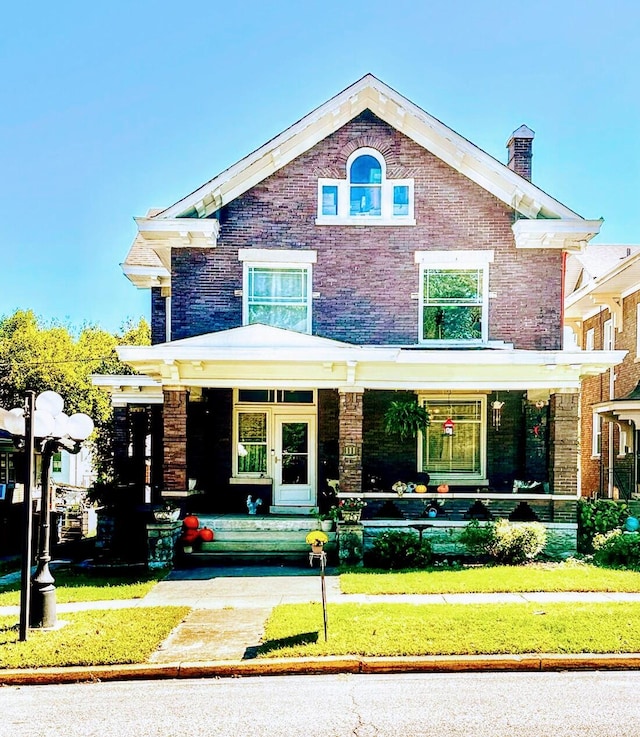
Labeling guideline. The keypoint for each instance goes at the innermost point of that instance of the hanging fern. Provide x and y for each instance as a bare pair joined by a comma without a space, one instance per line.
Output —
405,419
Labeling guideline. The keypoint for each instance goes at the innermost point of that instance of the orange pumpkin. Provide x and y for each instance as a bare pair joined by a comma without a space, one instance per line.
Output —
443,488
191,522
206,535
190,535
421,489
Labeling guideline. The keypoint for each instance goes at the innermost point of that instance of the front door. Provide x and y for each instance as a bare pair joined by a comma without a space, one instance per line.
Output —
295,461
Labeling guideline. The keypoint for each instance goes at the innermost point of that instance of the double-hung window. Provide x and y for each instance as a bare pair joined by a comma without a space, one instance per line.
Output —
277,288
365,196
453,296
453,446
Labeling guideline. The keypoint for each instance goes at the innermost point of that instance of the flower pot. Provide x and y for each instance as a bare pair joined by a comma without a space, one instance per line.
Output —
351,515
166,515
326,525
317,548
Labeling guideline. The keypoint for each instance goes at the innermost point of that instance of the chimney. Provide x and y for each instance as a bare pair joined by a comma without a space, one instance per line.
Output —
520,147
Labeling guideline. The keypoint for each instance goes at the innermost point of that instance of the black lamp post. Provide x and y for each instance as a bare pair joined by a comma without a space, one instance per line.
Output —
56,431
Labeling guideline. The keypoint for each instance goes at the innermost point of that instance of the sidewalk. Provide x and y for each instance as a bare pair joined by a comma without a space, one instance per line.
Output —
230,605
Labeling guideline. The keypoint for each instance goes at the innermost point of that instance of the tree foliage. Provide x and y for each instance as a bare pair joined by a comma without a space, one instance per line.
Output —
37,356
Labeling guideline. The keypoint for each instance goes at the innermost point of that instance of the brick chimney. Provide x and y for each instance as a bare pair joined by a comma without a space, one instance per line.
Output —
520,147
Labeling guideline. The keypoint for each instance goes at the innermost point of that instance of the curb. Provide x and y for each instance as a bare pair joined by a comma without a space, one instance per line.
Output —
548,662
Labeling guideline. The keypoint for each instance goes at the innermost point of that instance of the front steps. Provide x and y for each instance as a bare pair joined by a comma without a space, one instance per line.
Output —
256,539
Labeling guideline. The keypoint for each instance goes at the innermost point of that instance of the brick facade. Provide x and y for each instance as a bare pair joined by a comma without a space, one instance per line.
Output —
364,277
596,468
563,446
350,441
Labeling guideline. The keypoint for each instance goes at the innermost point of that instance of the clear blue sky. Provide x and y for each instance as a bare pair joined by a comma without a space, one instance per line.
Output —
110,108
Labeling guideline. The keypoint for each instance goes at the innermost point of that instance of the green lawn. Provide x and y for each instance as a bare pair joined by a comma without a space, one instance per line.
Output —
569,576
444,629
72,586
102,637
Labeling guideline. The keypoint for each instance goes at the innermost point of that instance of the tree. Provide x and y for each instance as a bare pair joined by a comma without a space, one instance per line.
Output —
38,356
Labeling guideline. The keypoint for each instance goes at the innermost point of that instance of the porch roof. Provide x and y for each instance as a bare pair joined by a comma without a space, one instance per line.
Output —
259,356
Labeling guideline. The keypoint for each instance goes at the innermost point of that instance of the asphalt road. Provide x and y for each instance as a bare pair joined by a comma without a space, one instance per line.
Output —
408,705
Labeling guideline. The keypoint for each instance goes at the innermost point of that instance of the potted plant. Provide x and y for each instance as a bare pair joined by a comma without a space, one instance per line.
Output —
317,540
166,513
350,509
405,419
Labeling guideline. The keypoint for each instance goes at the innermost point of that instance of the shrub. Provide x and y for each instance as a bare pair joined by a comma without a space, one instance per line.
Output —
505,542
476,538
598,516
616,549
395,549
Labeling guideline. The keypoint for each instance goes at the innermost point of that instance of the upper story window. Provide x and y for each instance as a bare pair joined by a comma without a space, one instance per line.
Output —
365,196
277,288
590,340
454,296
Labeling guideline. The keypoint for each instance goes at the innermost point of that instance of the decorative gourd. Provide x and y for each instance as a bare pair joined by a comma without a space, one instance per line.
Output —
421,489
206,535
443,488
191,522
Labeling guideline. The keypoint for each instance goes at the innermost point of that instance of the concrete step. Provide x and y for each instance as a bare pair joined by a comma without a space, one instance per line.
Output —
257,546
274,536
251,523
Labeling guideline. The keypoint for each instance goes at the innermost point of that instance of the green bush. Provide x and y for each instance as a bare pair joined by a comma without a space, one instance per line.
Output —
598,516
394,549
505,542
477,538
617,549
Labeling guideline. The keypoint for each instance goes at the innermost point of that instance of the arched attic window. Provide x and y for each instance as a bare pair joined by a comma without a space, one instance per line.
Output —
365,190
365,195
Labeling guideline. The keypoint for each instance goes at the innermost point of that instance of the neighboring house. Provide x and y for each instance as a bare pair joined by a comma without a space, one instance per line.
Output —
366,254
602,305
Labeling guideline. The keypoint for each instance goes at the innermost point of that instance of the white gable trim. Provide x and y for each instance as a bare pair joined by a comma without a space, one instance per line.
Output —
372,94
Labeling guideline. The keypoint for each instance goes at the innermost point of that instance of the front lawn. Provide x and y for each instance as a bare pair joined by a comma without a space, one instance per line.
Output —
102,637
73,585
569,576
446,629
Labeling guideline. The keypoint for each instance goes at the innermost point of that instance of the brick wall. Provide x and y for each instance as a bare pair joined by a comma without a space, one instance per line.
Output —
365,276
563,447
175,440
158,316
350,441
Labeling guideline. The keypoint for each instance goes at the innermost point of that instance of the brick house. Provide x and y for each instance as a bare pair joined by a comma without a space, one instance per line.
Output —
602,306
367,254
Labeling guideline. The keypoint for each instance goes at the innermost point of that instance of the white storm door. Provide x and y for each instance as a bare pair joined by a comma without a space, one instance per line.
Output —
295,461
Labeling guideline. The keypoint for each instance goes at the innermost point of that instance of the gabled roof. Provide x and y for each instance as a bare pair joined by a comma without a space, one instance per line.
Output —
369,93
547,223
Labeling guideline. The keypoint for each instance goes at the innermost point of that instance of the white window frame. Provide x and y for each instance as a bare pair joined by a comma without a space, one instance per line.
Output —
480,260
596,435
608,336
590,340
638,330
460,479
387,186
268,258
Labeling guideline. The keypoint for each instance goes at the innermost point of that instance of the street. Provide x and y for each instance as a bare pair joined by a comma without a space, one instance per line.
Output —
496,704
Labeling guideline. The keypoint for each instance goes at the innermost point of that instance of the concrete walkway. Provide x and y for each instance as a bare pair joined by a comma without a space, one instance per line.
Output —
230,605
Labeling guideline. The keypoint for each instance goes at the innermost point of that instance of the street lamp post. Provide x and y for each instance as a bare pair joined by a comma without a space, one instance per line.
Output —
56,431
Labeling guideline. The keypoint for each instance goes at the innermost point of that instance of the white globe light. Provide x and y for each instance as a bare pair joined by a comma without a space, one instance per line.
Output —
80,426
50,402
43,424
14,421
61,427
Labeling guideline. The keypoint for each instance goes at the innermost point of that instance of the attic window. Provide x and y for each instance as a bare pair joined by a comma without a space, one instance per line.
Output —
365,196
